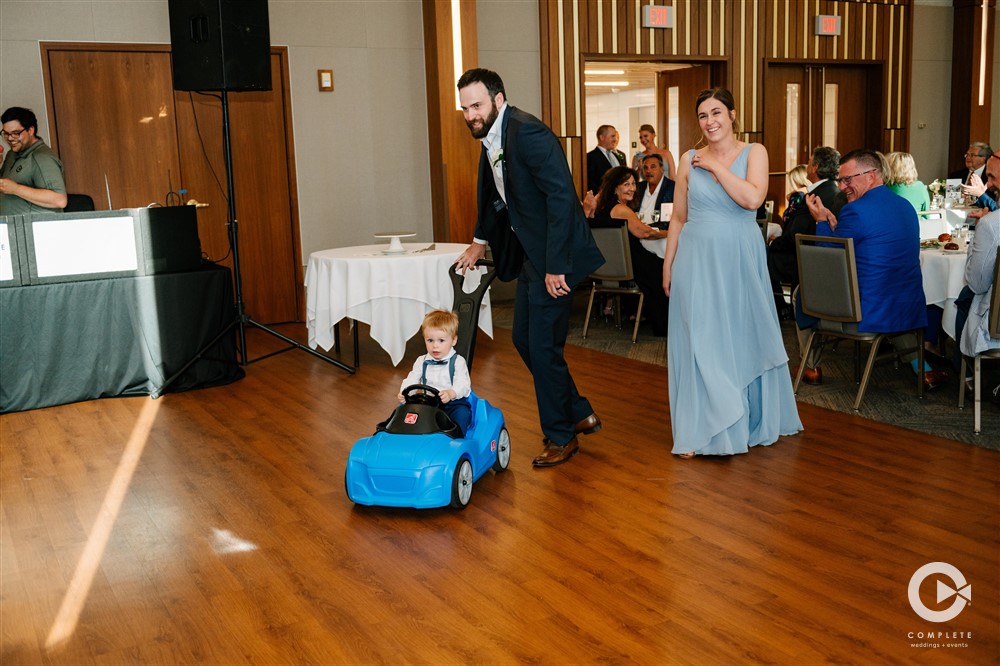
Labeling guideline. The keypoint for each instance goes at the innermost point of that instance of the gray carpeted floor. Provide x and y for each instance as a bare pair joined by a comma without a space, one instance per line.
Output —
891,396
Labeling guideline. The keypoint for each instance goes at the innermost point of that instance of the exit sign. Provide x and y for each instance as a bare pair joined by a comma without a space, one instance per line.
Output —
657,16
827,25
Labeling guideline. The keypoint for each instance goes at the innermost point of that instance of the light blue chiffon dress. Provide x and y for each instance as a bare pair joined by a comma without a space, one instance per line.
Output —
729,383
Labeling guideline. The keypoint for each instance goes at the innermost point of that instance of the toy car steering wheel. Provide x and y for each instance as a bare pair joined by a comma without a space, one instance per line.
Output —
428,395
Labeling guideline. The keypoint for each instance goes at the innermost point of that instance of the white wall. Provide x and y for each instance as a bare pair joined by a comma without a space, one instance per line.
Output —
361,151
508,44
614,108
930,101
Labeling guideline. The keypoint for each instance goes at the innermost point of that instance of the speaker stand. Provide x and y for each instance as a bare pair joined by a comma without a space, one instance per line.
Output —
242,319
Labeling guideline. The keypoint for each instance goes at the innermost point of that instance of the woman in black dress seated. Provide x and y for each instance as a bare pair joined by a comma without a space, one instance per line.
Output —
614,207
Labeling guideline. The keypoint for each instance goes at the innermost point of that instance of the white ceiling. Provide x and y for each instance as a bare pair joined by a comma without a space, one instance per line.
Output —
636,74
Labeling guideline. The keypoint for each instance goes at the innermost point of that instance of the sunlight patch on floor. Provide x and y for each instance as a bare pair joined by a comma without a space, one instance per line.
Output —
79,587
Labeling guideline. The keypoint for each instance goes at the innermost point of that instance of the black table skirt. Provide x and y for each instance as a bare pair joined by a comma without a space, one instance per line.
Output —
62,343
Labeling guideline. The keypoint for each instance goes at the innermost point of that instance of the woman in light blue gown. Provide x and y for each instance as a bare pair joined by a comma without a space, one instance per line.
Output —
729,384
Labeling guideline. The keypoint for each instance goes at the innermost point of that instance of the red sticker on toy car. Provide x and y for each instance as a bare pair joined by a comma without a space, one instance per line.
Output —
410,418
493,445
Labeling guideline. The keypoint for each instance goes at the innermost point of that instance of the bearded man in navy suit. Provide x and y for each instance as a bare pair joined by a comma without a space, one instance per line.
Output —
531,216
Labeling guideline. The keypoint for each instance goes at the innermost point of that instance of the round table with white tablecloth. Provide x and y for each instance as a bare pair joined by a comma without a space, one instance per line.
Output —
389,292
944,276
939,221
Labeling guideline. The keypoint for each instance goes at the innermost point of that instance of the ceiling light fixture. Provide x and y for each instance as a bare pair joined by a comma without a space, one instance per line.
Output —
612,72
607,84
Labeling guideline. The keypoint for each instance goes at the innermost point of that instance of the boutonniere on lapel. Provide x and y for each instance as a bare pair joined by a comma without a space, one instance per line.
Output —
498,159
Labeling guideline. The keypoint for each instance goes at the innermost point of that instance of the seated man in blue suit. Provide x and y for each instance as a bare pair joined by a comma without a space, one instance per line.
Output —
886,237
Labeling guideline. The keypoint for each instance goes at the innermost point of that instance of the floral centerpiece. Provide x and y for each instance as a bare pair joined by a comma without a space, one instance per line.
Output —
937,189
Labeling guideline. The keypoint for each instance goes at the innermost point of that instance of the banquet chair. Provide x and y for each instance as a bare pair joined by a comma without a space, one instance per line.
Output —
828,290
994,330
613,244
765,215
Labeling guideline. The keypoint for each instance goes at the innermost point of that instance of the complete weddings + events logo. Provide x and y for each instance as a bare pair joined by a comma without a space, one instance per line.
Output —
958,590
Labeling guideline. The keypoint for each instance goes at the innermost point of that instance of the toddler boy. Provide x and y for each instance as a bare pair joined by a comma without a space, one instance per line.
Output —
442,368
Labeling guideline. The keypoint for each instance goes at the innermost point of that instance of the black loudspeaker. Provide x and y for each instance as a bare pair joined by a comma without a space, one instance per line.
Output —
220,44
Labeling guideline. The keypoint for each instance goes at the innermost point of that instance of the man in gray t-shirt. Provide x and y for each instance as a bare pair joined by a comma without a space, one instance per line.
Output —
31,178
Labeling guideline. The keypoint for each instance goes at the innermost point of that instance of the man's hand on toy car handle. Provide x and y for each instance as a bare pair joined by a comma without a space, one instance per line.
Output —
468,259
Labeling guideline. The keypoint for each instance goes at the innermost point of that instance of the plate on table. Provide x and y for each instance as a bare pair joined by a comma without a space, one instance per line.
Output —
929,244
960,250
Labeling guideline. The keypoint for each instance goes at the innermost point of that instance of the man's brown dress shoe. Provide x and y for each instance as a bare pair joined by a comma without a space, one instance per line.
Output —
810,376
589,425
553,454
933,379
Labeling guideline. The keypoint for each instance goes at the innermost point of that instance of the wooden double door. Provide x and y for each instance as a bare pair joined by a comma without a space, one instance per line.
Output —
122,131
812,105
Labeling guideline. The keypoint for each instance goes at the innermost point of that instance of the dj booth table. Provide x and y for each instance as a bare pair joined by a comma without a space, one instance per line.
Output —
72,341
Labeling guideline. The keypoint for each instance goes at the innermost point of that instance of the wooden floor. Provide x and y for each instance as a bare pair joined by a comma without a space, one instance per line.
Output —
212,527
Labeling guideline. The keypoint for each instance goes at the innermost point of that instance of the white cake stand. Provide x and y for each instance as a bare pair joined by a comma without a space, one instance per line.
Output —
395,246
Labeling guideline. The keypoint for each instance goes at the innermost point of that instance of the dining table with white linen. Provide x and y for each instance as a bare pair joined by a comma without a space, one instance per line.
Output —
943,274
937,221
391,292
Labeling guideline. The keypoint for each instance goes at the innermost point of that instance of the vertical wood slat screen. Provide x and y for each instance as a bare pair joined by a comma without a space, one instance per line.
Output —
454,154
742,34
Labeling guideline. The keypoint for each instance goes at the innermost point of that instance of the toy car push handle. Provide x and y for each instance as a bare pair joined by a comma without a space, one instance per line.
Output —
466,306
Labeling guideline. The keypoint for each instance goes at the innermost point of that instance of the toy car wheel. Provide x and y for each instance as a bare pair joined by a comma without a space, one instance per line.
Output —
503,451
461,485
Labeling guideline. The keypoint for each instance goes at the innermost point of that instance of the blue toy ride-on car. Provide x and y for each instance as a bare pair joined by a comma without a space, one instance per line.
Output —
419,457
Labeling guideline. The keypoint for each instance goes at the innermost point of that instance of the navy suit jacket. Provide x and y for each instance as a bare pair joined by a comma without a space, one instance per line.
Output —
963,174
597,164
542,204
781,251
666,194
886,237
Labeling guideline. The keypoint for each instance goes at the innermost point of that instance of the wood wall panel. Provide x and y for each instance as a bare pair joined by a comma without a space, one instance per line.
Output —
974,38
741,34
260,139
114,117
454,155
113,111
